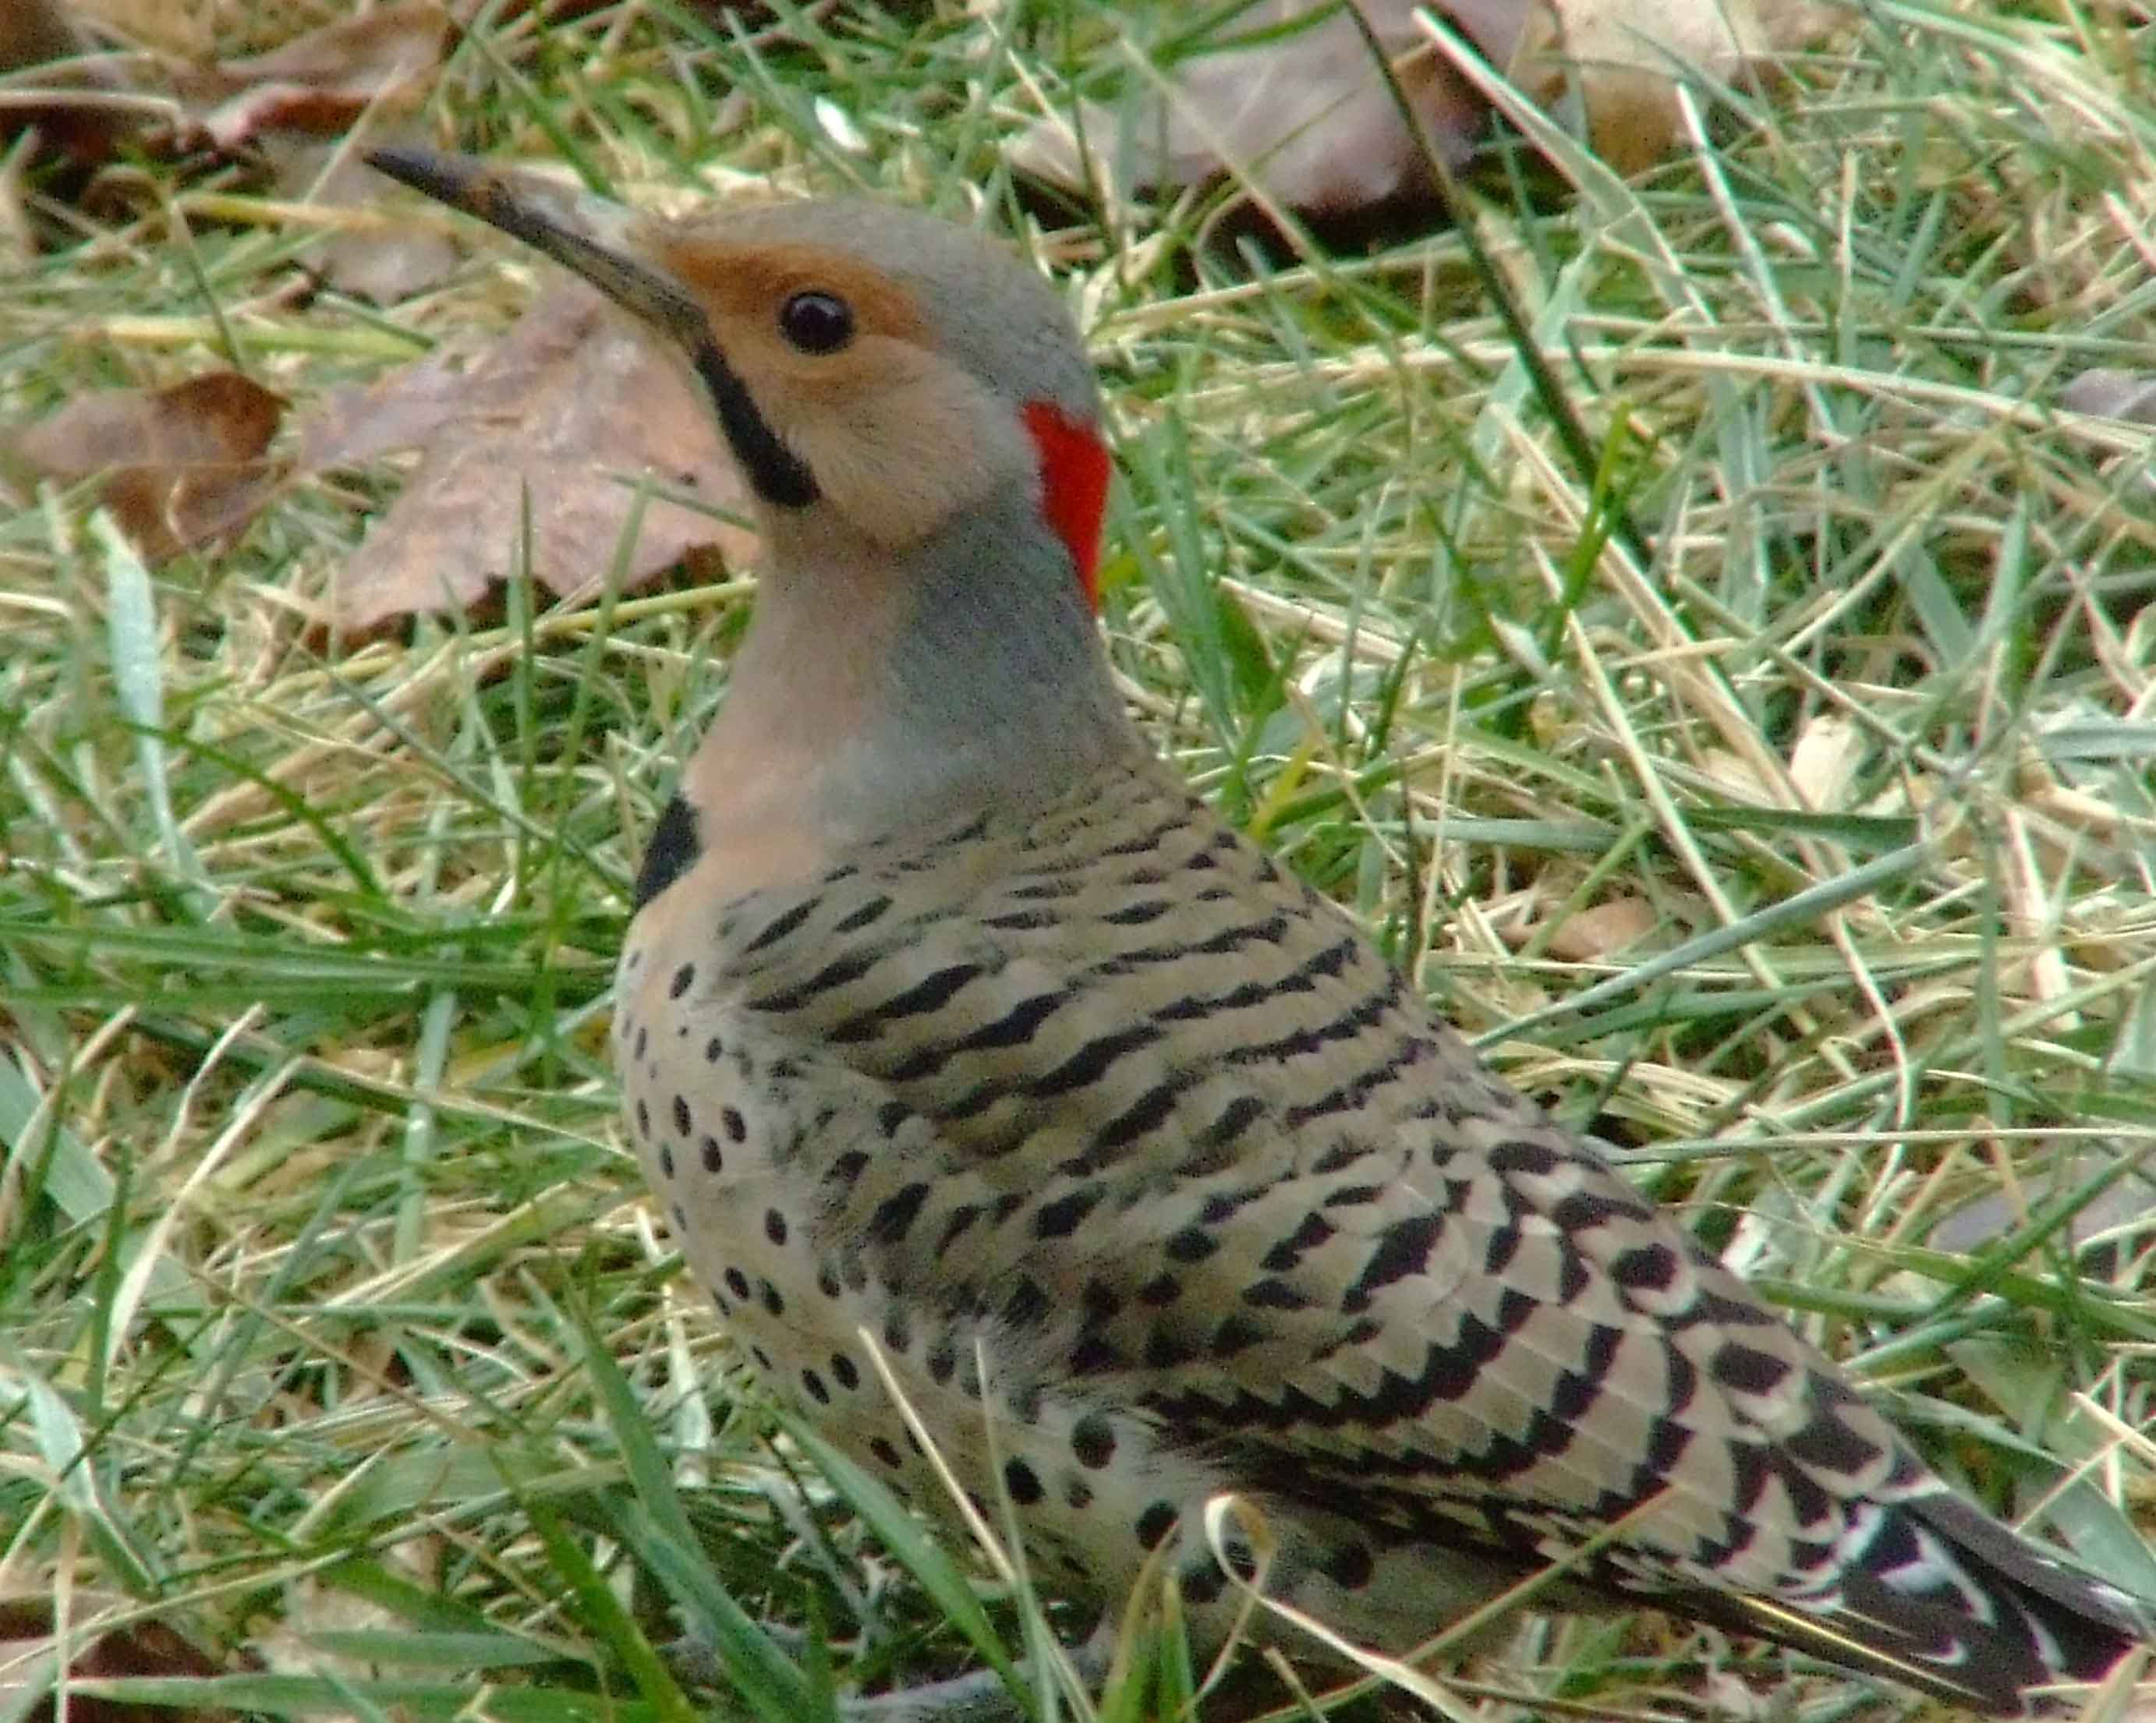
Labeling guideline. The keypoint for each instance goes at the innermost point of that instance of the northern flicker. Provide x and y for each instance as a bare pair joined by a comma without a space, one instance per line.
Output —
948,1016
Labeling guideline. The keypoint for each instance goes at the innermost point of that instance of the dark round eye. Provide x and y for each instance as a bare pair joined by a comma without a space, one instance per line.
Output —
817,322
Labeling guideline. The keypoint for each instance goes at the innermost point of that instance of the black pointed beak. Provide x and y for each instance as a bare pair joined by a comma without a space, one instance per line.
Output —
597,238
605,244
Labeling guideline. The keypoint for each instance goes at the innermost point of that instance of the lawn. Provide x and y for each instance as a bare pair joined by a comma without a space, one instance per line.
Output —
1750,748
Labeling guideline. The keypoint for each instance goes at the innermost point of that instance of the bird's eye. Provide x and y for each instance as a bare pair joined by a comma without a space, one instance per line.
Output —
817,322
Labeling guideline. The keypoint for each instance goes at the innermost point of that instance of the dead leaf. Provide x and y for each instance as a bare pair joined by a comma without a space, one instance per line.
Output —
1306,114
1739,778
407,409
573,376
380,261
54,82
186,31
382,60
183,465
147,1648
1620,59
1606,929
1823,763
2128,395
1969,1229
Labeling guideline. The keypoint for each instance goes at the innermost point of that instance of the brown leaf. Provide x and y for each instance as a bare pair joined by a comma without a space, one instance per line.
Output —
2117,394
1619,56
147,1648
182,464
1603,931
183,31
1969,1229
407,408
1306,114
1824,764
56,88
380,261
320,82
1308,117
571,377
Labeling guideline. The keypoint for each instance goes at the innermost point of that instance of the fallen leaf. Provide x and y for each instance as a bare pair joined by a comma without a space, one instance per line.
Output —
1823,764
2116,394
1303,110
56,84
187,31
1738,778
521,423
144,1648
183,465
2133,1197
382,60
380,261
1307,115
1603,931
1620,60
407,409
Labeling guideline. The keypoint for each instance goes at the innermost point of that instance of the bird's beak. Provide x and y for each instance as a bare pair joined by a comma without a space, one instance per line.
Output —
594,236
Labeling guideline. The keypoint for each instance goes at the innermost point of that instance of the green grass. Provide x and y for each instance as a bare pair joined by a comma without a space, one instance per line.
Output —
333,1333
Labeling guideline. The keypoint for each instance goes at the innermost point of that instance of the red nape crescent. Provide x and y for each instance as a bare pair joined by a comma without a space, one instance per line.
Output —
1074,486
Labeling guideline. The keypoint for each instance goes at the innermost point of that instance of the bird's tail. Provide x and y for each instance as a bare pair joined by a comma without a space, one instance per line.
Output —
1937,1595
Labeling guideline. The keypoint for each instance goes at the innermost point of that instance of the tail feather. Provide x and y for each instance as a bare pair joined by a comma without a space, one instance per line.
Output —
1944,1598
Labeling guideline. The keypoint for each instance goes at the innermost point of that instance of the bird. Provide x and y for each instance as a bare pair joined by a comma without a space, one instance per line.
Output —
959,1040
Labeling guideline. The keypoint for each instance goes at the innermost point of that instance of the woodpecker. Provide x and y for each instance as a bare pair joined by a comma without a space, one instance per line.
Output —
948,1017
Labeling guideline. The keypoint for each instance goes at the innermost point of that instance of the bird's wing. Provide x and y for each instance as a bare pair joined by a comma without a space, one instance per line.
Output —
1199,1148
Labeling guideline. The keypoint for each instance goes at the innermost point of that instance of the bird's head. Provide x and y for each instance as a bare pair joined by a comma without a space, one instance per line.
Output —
871,365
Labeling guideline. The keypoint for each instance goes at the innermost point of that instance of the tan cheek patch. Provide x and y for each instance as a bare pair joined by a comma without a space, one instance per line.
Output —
897,437
902,453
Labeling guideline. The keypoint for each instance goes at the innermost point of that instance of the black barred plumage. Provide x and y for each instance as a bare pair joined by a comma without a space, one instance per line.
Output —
947,1016
1192,1192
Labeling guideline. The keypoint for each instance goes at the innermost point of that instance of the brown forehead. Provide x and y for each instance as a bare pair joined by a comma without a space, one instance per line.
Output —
750,280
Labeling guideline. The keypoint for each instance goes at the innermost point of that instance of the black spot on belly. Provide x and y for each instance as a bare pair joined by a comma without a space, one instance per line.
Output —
1153,1525
1093,1441
1205,1585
